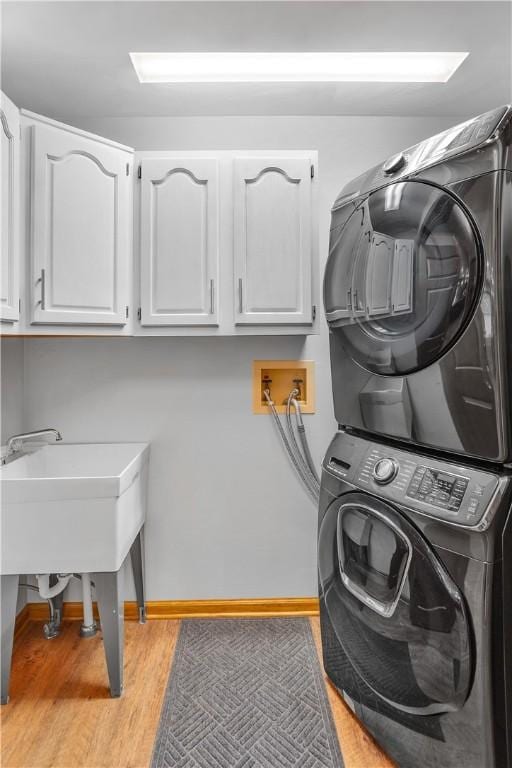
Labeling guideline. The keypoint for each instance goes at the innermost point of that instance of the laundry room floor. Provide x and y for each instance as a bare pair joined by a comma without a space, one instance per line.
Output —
60,713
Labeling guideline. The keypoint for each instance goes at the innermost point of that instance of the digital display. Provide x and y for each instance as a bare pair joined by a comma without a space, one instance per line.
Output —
438,488
443,481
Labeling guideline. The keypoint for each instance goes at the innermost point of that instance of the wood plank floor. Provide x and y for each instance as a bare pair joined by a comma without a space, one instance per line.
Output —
61,716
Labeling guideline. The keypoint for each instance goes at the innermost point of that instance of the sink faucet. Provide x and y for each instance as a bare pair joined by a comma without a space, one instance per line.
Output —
15,443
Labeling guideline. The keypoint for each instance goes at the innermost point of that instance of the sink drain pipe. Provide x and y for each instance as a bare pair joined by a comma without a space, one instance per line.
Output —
47,592
89,627
52,627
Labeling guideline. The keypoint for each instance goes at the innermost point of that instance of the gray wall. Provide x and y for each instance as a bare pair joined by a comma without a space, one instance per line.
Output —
227,517
11,370
11,397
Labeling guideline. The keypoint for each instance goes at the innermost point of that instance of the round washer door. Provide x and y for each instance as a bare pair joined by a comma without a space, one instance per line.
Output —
402,277
398,616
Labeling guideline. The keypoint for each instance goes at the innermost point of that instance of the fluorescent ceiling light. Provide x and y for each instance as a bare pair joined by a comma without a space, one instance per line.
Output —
377,67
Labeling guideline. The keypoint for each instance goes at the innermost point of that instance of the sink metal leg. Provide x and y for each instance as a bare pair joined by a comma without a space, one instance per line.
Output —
111,608
9,597
137,558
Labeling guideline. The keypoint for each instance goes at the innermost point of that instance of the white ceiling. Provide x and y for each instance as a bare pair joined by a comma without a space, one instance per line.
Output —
70,59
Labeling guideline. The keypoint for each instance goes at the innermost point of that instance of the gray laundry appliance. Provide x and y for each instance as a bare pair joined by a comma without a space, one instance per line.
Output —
415,581
418,294
415,522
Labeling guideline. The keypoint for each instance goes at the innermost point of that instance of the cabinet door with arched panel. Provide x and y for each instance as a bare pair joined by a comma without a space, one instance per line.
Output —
81,227
273,239
179,249
10,192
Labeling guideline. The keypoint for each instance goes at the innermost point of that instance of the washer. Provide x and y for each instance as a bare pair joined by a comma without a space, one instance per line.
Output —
417,294
416,601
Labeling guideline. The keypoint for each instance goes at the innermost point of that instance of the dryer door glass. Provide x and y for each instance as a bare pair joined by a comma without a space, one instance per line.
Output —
402,277
400,634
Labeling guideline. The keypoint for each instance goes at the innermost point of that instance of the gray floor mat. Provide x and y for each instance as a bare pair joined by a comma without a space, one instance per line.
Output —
246,693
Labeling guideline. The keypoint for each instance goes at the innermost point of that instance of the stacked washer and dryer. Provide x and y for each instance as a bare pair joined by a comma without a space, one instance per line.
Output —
415,524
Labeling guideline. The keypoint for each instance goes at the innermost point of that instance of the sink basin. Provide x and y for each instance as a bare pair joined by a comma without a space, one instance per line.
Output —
72,507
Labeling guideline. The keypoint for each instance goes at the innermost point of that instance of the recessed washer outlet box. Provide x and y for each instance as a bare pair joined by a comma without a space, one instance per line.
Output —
281,376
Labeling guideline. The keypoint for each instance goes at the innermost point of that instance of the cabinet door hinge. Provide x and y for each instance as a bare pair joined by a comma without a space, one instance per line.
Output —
313,312
127,311
139,172
139,313
312,171
127,169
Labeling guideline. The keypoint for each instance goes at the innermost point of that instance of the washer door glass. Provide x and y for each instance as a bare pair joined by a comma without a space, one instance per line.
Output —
373,555
398,617
402,277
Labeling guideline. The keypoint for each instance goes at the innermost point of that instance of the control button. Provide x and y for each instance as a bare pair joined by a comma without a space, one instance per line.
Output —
473,506
394,164
385,470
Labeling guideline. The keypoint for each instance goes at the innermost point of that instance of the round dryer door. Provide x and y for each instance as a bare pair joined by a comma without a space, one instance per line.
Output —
402,277
396,620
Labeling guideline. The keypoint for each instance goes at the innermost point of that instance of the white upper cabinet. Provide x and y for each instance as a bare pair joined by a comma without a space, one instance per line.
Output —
273,240
81,227
225,239
10,191
179,238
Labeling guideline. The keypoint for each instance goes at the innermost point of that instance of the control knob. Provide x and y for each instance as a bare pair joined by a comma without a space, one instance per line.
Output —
385,470
394,164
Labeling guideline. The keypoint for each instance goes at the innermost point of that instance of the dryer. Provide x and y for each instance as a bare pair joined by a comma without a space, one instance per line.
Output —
416,601
417,294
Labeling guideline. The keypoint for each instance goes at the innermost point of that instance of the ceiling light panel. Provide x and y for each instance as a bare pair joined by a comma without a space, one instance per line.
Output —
317,67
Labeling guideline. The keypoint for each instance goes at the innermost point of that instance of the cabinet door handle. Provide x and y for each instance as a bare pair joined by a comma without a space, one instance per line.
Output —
212,296
240,296
42,280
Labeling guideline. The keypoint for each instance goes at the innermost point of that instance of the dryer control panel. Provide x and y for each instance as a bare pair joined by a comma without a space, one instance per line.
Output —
439,489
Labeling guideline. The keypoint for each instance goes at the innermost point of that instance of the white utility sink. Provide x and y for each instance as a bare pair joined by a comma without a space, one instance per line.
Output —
72,508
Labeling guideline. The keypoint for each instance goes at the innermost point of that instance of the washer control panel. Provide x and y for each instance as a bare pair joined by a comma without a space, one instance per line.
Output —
437,488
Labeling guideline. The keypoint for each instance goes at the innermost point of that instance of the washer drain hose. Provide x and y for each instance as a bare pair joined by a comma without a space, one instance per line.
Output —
305,477
301,428
306,461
